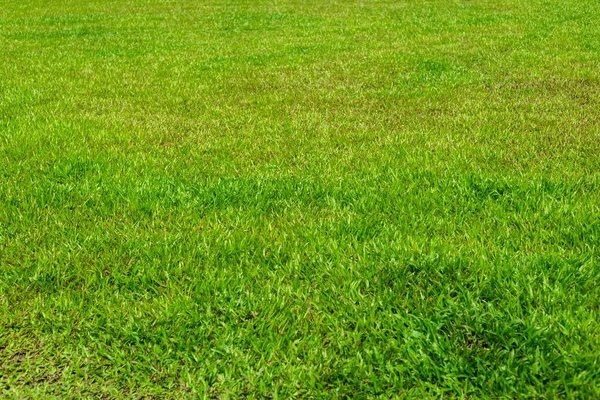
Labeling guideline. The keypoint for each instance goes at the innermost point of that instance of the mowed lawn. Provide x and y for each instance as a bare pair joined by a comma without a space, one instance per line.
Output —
311,199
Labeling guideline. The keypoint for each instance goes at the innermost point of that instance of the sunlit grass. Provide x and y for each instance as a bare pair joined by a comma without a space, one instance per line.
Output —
299,199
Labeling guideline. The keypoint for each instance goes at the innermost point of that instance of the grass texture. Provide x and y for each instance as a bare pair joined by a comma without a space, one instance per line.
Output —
309,199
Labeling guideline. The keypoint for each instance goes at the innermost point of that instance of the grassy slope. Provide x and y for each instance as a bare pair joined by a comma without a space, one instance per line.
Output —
284,197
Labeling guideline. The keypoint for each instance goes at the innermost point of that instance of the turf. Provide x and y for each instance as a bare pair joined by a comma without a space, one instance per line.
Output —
308,199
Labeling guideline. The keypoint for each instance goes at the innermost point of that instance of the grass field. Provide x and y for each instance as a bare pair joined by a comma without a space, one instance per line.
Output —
307,199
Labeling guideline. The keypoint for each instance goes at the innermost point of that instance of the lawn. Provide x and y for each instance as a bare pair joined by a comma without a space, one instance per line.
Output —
310,199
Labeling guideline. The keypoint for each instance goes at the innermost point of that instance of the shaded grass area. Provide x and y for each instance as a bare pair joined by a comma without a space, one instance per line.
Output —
291,199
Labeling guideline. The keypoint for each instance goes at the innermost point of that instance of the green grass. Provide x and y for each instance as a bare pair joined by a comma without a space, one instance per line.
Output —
306,199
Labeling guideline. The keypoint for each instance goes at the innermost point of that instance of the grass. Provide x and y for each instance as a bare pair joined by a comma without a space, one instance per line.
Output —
300,199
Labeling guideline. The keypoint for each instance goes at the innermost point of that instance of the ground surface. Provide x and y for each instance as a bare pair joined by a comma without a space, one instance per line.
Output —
299,198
